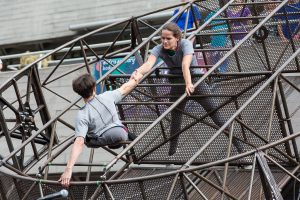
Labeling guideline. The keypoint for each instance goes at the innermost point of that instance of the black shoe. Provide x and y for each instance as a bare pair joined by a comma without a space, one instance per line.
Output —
131,136
172,151
116,146
238,145
173,146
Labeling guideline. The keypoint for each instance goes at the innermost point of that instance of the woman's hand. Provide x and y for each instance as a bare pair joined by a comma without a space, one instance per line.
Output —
66,177
136,75
189,89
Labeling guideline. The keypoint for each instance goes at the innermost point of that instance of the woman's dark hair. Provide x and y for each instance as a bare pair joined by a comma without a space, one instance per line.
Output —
171,26
84,85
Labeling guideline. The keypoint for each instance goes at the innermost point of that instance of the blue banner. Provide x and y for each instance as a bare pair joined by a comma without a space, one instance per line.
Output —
102,67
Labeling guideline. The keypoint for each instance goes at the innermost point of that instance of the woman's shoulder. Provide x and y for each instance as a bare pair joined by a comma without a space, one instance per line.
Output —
185,42
157,49
159,46
186,46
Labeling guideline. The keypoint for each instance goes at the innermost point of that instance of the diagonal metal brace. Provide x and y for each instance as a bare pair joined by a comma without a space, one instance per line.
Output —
271,189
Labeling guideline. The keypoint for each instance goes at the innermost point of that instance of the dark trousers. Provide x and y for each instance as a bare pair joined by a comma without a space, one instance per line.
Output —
176,116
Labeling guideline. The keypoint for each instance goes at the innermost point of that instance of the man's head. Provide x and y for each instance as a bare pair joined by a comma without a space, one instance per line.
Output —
84,85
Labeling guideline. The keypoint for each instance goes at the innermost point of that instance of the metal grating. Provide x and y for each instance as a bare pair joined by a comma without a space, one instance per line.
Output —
153,147
146,189
237,184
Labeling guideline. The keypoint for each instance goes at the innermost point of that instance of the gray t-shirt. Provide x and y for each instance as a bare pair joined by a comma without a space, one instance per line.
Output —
185,47
99,114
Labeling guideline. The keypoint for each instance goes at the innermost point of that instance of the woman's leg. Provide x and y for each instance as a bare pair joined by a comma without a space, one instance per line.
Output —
176,115
209,105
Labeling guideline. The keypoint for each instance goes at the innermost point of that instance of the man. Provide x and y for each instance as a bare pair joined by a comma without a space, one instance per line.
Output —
97,122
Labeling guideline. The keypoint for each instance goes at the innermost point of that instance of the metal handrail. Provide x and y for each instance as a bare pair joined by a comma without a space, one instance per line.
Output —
149,177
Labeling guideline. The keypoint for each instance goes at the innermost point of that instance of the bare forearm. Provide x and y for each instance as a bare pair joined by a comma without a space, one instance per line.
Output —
186,63
75,152
186,74
146,67
128,86
142,70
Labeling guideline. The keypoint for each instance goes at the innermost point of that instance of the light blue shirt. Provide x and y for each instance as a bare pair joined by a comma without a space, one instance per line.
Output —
185,47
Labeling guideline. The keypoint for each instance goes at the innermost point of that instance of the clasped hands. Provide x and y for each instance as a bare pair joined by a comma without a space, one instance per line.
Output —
137,76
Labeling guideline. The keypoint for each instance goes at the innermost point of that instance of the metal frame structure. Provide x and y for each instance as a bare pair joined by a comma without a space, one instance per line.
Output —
250,96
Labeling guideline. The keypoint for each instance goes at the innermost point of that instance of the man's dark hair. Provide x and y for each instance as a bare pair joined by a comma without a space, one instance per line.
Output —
84,85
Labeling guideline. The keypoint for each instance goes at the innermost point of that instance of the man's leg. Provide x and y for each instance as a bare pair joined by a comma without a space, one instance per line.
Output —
114,135
131,136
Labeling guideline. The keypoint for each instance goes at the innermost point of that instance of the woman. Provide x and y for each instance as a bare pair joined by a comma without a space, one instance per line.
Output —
178,55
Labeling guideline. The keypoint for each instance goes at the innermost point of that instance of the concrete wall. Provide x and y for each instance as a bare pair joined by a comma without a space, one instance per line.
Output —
32,20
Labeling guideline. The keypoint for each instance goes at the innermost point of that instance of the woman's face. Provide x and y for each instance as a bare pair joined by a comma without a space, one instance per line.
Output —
168,40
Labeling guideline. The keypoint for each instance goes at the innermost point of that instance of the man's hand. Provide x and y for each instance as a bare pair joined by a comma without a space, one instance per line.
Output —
189,89
136,75
66,177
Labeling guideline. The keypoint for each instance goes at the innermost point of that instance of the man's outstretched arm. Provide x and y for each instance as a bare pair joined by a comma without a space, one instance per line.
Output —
128,86
75,152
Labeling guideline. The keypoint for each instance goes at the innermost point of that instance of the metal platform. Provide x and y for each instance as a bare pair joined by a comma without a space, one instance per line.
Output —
242,118
149,186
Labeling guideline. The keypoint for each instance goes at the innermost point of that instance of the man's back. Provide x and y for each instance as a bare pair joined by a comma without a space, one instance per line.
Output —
98,114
